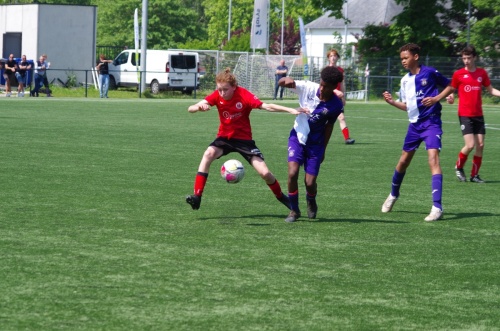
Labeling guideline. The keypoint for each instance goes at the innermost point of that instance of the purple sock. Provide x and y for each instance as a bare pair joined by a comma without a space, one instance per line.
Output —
437,190
397,179
294,201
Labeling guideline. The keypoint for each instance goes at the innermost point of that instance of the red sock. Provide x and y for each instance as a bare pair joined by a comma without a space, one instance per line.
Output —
476,164
345,132
462,158
276,188
199,183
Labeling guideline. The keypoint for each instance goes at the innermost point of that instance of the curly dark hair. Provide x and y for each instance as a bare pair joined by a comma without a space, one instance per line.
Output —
332,75
412,48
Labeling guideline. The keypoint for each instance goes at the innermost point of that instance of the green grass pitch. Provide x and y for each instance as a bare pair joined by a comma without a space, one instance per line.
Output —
95,233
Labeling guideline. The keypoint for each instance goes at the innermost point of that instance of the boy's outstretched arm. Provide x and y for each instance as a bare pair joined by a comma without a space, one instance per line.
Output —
277,108
287,82
203,105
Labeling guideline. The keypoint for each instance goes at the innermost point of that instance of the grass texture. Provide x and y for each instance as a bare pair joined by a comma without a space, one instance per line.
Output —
96,235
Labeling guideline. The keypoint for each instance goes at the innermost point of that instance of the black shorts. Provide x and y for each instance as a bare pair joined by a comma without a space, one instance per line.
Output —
472,125
246,148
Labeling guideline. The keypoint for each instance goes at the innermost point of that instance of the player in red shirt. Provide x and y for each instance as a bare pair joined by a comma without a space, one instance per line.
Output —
469,82
333,57
234,104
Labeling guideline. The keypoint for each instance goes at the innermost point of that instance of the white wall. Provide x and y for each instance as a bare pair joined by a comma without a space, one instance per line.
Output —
318,39
66,33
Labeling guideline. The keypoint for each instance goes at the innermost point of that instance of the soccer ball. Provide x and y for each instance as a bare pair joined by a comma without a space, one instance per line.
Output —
232,171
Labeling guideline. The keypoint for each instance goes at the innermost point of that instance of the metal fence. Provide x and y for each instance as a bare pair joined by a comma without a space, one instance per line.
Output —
257,72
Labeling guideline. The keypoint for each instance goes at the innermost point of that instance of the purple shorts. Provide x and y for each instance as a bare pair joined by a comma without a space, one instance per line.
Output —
429,132
308,155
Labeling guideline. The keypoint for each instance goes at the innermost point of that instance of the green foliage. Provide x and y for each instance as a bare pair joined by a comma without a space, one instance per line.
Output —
291,39
335,6
170,23
241,18
72,81
239,42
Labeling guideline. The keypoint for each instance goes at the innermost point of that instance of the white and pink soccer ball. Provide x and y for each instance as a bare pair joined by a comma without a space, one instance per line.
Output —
232,171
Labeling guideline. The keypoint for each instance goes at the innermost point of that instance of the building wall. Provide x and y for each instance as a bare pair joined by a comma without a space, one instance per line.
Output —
318,40
66,33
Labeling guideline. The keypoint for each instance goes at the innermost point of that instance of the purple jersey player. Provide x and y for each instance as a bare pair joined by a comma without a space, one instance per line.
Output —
417,87
310,135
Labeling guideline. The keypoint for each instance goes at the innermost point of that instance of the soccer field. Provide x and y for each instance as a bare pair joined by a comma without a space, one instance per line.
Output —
95,233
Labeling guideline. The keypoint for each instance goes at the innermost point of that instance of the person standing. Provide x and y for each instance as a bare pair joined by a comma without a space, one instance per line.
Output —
469,82
234,104
281,71
102,66
45,79
333,56
9,74
40,68
307,146
22,75
418,87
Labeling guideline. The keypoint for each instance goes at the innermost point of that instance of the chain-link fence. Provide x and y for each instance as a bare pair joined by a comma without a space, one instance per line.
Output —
257,72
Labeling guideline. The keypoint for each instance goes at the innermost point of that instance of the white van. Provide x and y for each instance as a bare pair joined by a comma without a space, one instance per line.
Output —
165,70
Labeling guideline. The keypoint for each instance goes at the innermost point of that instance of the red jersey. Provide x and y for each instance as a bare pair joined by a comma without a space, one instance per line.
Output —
234,114
469,86
339,85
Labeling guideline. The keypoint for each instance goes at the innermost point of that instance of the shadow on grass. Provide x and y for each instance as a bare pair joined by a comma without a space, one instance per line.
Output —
329,220
227,220
398,214
465,216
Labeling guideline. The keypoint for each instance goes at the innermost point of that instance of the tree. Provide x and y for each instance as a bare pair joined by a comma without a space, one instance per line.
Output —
291,39
170,22
484,28
241,17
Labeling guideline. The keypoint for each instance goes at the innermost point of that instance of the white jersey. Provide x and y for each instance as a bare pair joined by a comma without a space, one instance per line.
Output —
306,90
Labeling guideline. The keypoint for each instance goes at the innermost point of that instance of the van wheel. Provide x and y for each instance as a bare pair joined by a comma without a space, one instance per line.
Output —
188,92
155,87
112,83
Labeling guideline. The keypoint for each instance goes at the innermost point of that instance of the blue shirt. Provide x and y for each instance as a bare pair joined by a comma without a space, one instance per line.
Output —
414,88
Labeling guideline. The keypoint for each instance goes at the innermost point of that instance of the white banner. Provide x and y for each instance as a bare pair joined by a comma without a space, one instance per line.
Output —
303,47
258,38
136,42
136,30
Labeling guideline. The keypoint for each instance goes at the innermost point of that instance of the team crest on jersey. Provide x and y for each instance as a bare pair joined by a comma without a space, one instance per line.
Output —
239,105
423,82
480,79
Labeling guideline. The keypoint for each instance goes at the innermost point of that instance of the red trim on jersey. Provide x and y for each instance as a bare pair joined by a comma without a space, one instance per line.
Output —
234,114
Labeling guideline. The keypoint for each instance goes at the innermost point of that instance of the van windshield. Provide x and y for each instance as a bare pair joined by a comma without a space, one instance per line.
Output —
183,61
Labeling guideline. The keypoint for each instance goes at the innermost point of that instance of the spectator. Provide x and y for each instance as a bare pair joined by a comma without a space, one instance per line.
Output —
102,66
45,79
9,74
40,68
22,75
281,72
